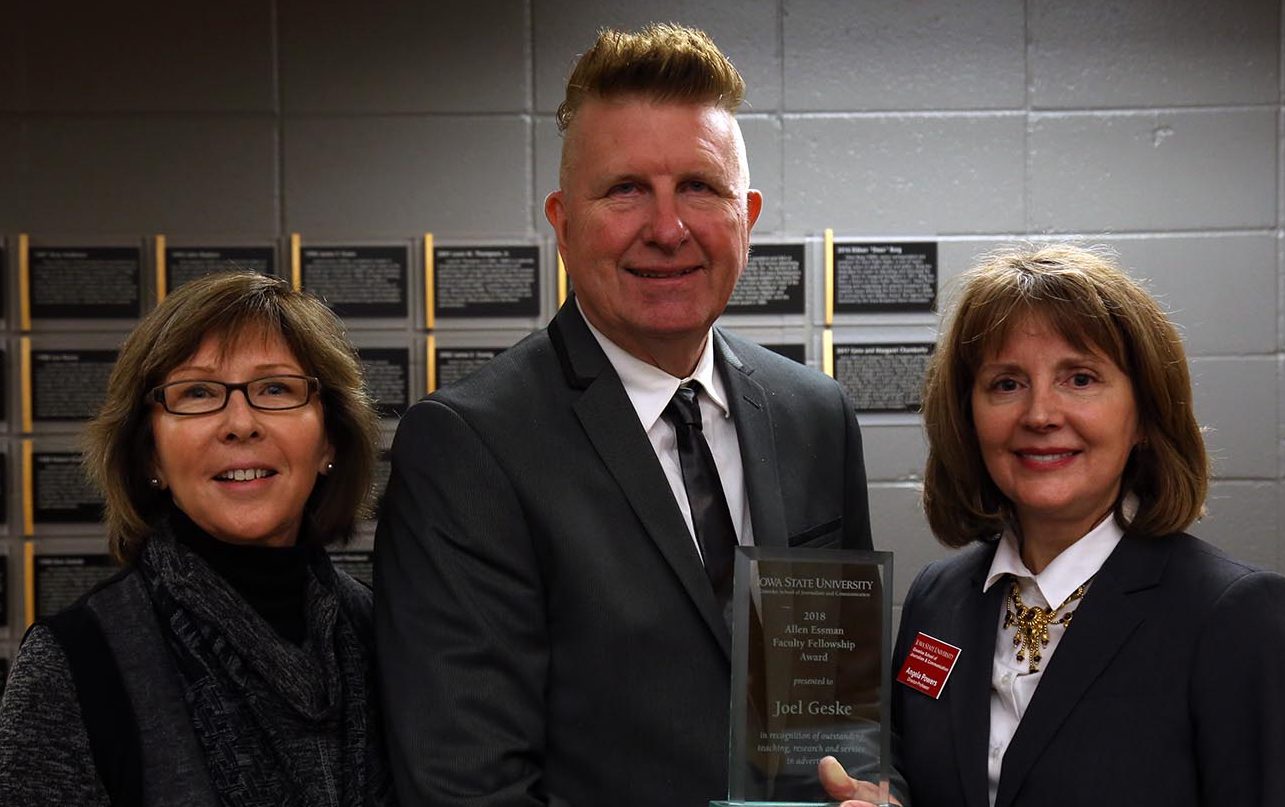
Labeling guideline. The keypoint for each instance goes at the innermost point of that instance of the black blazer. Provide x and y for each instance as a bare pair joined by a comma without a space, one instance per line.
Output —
1167,689
546,633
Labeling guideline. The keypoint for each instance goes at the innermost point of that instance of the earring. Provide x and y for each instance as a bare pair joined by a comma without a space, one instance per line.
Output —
155,483
330,466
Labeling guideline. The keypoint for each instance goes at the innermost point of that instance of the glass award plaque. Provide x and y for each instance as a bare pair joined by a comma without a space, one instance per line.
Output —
811,642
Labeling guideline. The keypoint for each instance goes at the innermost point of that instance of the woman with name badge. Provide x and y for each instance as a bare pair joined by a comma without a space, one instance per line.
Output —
228,662
1082,648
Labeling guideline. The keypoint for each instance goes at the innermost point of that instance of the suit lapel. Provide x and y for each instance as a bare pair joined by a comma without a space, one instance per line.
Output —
976,623
753,420
611,423
1101,627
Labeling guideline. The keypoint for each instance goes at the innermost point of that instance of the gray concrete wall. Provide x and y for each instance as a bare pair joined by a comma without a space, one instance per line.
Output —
1151,126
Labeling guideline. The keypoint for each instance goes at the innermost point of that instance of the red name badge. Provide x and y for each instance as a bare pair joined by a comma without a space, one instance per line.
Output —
928,665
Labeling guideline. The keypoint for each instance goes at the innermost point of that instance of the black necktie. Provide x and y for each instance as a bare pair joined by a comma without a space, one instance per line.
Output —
710,517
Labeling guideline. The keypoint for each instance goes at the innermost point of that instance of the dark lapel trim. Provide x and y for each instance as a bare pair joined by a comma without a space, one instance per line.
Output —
1102,626
976,623
611,423
753,418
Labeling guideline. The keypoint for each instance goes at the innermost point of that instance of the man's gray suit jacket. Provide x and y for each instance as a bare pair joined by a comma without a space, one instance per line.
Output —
546,632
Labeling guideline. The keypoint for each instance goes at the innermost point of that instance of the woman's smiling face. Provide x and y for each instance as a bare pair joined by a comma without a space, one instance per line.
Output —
242,474
1055,426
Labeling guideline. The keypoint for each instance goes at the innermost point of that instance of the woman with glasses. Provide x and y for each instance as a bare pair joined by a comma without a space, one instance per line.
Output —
228,662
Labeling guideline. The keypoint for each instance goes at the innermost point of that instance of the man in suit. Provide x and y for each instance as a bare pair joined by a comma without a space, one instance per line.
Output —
551,593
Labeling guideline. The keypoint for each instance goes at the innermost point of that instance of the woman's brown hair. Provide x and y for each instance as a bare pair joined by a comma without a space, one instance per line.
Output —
1087,299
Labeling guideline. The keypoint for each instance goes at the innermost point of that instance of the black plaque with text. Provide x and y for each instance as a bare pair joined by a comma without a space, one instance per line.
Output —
383,470
358,281
4,591
454,363
387,371
772,282
883,378
358,563
875,277
4,279
797,351
85,282
69,384
60,580
4,488
61,492
185,264
491,281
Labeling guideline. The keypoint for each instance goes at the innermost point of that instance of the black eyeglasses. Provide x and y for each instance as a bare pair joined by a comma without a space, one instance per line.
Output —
272,393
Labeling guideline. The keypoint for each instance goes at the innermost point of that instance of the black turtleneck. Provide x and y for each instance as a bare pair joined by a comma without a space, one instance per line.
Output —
273,580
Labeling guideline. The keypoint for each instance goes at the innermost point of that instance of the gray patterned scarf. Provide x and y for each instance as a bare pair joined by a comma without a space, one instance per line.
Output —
280,724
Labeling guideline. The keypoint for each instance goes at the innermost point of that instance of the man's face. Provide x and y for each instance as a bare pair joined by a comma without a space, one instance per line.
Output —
653,221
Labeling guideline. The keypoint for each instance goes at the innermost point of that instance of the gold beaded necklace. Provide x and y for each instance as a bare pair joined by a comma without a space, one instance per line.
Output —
1033,623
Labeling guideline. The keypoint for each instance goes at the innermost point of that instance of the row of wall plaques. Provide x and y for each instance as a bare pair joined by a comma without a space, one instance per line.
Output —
423,312
426,284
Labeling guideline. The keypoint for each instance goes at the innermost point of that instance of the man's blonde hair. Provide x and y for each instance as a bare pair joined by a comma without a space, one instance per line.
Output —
663,62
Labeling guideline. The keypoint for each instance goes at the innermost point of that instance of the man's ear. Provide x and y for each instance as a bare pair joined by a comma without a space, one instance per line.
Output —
555,210
753,206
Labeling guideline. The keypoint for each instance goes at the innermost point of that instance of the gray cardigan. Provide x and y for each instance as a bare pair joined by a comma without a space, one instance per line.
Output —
45,749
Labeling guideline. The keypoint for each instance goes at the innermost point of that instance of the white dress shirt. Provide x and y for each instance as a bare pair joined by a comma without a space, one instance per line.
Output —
1012,683
650,389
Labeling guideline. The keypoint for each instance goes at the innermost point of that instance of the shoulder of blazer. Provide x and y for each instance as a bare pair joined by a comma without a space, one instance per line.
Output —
748,357
1197,568
967,567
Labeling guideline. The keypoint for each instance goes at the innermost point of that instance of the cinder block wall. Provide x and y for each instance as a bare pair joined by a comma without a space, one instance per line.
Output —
1152,126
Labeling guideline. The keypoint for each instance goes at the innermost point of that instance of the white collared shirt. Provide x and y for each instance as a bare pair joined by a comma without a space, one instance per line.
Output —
650,389
1012,683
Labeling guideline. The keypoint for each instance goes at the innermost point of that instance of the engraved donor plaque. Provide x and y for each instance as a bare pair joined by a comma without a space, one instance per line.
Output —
810,674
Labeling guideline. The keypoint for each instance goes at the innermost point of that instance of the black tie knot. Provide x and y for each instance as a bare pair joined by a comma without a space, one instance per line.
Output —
683,408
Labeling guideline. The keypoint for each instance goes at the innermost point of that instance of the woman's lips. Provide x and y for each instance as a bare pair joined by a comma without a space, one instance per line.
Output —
1045,458
243,474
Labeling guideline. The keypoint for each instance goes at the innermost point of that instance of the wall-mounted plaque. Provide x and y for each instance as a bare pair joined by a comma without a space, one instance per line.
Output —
358,281
772,282
383,470
69,384
60,580
4,591
359,563
85,282
387,371
797,351
61,493
4,278
884,377
486,281
185,264
4,488
886,276
450,364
